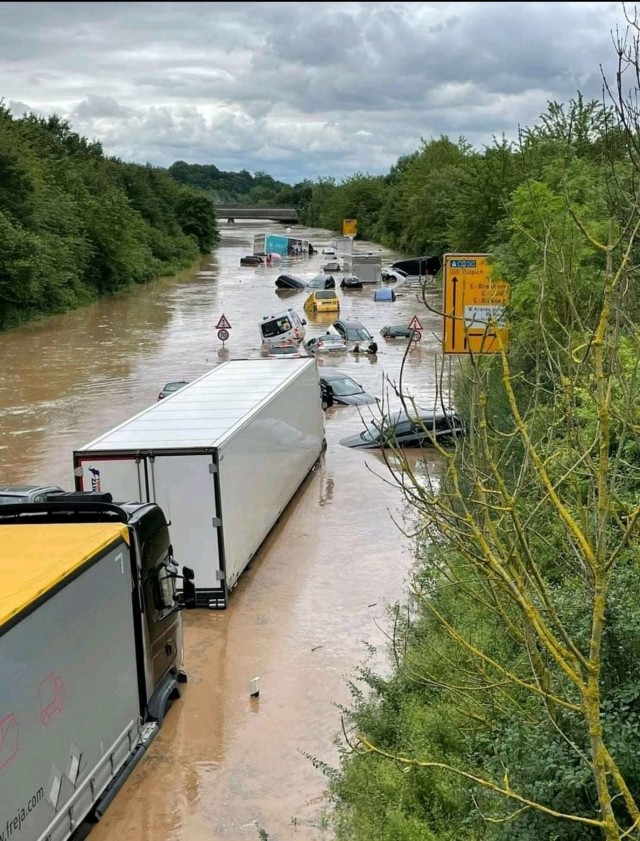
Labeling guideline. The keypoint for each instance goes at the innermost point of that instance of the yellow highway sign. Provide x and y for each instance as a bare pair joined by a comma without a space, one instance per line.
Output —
473,306
349,227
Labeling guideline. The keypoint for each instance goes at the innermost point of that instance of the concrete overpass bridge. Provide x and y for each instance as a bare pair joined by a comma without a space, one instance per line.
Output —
275,214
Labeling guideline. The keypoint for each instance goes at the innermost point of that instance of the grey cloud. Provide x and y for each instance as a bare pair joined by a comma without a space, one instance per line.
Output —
298,89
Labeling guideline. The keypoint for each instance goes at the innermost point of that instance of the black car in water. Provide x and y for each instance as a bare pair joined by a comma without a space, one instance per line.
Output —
417,429
338,387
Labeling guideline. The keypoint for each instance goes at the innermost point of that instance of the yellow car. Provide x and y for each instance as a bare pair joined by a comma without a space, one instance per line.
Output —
322,300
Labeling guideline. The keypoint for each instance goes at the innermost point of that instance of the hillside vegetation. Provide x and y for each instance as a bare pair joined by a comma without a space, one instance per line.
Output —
76,225
511,711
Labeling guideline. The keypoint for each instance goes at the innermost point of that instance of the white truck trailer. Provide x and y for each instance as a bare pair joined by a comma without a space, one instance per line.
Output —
223,457
367,267
90,656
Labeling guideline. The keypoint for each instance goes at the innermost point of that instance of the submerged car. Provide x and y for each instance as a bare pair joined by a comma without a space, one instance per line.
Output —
322,300
352,331
285,350
328,343
396,331
351,282
419,428
338,387
19,494
281,327
289,281
169,388
321,281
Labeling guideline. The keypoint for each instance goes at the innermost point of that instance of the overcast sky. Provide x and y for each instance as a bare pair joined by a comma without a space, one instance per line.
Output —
299,90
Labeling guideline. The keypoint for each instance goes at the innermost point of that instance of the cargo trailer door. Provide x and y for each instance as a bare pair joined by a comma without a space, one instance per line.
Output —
185,486
123,476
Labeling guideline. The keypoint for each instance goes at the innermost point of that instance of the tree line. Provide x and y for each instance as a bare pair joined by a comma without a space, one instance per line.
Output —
511,706
76,224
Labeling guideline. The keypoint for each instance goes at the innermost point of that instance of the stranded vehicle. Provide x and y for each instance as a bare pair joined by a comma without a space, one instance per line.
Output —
286,326
222,457
90,655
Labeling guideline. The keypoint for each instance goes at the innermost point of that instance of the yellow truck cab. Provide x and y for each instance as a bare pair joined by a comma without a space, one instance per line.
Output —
322,300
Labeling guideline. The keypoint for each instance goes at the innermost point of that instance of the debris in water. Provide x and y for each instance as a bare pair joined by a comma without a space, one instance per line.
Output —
315,648
254,687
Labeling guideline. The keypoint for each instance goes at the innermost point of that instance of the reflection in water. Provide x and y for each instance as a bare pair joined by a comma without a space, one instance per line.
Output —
317,592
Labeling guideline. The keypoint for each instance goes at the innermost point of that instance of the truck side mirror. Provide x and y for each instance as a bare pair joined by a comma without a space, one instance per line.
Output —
188,588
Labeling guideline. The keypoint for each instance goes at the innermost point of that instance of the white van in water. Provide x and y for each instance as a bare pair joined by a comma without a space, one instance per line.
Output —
286,326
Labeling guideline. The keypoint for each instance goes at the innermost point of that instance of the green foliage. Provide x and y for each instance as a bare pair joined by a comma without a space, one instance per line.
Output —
538,207
75,224
241,188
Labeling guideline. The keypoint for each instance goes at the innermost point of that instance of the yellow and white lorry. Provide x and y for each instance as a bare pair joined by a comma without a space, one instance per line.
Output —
90,655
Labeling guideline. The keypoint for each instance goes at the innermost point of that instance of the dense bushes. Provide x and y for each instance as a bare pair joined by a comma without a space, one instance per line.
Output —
512,707
75,224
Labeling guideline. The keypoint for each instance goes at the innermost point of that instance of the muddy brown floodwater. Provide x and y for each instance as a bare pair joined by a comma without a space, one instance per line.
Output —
314,599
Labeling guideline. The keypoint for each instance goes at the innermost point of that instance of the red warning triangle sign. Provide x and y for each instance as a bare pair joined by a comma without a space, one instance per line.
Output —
223,324
415,323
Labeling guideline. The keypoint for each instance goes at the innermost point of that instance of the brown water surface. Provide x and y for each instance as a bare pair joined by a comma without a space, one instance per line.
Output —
314,599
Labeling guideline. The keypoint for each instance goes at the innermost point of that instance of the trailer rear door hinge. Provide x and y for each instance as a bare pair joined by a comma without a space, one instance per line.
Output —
213,468
217,522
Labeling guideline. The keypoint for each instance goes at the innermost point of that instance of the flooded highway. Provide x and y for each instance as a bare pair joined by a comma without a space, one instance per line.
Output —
313,604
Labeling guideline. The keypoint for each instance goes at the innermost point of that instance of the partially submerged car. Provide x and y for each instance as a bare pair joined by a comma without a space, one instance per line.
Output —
286,326
351,282
396,331
285,350
418,428
170,388
327,343
338,387
353,332
331,266
19,494
322,300
384,294
289,281
321,281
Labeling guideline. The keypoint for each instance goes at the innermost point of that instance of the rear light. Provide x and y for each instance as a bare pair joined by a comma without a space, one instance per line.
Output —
161,395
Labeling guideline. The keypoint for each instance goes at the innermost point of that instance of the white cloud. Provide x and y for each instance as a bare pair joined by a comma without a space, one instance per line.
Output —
298,89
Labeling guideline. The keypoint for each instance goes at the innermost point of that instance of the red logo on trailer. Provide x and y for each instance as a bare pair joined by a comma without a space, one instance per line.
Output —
50,697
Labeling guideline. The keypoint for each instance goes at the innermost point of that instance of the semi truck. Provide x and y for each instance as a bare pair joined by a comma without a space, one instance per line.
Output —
90,656
223,457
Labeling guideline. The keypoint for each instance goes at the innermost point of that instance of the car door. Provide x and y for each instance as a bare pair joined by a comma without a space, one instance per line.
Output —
339,328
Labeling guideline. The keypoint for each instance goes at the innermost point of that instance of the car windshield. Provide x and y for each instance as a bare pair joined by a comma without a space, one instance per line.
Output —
8,500
356,334
283,351
173,386
345,386
326,294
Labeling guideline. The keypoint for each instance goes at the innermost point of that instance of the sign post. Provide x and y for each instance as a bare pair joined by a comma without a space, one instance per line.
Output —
415,325
473,306
223,328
